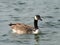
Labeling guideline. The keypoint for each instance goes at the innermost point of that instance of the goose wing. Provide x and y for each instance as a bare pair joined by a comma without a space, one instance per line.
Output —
22,27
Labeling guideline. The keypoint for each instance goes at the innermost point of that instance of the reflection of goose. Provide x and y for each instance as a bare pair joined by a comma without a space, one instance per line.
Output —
21,28
37,39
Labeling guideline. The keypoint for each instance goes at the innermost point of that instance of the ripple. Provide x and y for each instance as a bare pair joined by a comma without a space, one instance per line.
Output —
4,40
16,9
59,20
4,35
46,39
54,32
10,41
48,17
13,41
10,15
43,33
50,23
57,8
3,20
15,17
21,3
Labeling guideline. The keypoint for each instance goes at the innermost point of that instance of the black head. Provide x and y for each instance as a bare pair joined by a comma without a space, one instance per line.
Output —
37,17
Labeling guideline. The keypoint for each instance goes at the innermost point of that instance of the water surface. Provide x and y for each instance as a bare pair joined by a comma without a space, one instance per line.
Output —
13,11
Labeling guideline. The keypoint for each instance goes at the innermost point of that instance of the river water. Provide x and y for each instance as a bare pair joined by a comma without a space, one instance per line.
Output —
13,11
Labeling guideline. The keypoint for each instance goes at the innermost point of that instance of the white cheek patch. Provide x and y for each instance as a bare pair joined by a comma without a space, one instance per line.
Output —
35,18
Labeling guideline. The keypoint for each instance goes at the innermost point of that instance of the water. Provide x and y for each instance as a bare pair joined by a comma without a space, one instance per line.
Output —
13,11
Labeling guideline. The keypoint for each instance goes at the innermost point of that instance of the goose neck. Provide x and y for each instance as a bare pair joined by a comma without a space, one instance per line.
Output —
35,24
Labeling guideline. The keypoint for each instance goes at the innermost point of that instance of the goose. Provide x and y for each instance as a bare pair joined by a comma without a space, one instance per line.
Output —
21,28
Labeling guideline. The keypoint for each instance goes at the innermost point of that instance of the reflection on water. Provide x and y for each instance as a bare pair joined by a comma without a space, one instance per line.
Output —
37,39
26,39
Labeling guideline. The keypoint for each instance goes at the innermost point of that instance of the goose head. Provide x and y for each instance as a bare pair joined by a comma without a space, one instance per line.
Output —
37,17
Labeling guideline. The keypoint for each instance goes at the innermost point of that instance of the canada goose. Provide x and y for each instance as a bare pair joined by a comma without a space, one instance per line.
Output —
21,28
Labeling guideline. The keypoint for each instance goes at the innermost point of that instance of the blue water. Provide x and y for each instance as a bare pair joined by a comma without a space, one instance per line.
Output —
13,11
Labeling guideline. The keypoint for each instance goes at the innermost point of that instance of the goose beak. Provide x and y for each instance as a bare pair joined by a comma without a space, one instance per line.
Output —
40,19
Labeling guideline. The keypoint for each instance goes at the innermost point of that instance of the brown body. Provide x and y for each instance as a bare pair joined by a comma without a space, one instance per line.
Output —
22,28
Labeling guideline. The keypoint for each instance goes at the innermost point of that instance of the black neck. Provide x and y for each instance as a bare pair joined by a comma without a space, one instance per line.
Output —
35,24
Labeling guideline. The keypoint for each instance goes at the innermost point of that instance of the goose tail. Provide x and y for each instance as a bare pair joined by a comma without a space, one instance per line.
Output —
11,24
